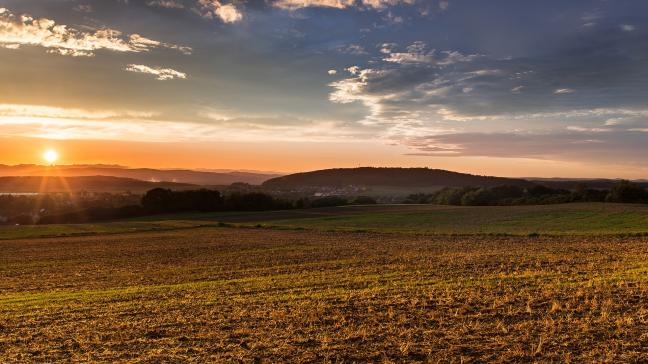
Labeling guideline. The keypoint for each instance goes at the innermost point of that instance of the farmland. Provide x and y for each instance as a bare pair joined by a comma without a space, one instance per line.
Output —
566,219
268,295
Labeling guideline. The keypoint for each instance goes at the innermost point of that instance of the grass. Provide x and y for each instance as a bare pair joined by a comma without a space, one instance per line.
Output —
257,295
62,230
568,219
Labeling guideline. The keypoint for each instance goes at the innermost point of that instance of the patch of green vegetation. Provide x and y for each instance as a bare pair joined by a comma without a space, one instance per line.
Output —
59,230
572,219
565,219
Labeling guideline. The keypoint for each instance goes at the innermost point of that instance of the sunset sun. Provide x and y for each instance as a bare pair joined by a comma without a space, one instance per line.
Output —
50,156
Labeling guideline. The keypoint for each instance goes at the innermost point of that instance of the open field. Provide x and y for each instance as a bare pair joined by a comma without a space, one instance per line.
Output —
568,219
255,295
565,219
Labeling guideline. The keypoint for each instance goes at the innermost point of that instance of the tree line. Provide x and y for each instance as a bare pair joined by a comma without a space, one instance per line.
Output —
166,201
622,192
50,209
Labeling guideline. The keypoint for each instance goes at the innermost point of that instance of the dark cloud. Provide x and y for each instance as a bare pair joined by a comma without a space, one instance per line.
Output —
596,70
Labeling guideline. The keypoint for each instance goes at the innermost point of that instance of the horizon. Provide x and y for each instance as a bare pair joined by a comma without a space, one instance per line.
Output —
280,173
517,90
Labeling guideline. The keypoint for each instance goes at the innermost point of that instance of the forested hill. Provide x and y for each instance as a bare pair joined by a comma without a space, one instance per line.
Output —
400,177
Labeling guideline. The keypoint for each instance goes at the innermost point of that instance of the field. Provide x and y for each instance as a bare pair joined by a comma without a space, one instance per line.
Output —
254,295
569,219
312,289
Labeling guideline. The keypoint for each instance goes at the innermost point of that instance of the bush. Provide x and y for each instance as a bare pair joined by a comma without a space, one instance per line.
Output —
626,191
161,200
364,200
328,201
419,198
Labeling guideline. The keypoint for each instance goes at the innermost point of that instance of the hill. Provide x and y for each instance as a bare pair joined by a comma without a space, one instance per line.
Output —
32,184
204,178
401,177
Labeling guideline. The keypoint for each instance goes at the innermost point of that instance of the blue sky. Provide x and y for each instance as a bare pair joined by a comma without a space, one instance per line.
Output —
435,83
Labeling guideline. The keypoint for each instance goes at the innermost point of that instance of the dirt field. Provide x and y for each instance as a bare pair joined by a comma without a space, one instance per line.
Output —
256,295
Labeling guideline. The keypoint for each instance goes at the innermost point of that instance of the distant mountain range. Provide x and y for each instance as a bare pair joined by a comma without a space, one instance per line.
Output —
400,177
88,183
204,178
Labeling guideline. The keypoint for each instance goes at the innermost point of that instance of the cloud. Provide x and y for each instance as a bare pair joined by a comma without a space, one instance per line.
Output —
40,111
517,89
211,9
83,8
168,4
623,146
563,91
49,122
627,27
417,88
416,53
339,4
332,72
161,74
387,48
354,49
17,31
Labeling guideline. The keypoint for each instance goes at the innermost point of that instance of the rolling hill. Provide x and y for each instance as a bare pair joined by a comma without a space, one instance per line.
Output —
205,178
50,184
401,177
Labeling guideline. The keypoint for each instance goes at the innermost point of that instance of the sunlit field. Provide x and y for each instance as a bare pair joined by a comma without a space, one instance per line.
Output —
264,295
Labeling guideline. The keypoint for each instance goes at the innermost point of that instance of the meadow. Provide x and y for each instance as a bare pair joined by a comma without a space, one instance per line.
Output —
327,292
562,219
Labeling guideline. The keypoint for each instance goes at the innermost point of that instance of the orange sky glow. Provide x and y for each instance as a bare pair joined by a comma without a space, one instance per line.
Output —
281,157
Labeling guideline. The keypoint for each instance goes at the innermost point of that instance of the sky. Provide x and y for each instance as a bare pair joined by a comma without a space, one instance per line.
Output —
502,87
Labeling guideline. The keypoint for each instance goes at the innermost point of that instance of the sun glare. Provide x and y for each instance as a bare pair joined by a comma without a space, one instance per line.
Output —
51,156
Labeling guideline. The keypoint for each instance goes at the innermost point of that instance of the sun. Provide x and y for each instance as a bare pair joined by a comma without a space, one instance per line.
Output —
51,156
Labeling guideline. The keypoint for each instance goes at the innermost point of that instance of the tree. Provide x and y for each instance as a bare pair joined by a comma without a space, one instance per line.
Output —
158,200
628,192
328,201
364,200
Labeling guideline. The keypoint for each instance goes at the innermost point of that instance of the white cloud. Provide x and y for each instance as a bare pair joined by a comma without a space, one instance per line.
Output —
339,4
387,48
353,70
563,91
517,89
39,121
41,111
211,9
627,27
332,72
416,54
161,74
17,31
354,49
